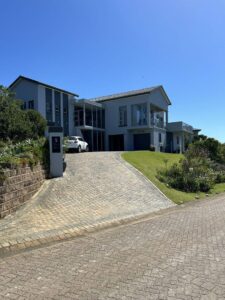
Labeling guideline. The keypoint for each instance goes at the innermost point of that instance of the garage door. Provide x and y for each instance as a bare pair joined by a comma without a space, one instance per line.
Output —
116,142
142,141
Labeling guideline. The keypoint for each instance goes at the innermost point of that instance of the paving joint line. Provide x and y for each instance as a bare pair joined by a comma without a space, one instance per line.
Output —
62,235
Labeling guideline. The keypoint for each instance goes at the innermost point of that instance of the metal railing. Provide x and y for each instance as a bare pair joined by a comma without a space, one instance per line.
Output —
158,123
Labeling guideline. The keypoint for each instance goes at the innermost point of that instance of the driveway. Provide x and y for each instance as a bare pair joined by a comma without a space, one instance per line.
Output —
97,190
177,255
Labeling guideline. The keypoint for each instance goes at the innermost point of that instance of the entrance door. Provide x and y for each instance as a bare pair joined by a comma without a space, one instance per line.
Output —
142,141
116,142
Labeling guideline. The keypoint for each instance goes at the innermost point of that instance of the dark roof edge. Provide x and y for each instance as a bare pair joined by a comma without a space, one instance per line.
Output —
130,94
121,96
41,83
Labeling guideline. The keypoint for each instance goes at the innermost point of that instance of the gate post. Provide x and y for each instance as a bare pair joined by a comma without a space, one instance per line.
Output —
55,136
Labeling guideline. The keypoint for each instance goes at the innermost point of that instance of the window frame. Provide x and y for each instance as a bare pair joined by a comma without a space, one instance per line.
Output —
123,116
142,110
29,104
160,137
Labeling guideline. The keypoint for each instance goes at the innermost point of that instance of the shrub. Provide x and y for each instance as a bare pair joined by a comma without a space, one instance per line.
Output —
15,123
189,175
26,152
152,148
37,122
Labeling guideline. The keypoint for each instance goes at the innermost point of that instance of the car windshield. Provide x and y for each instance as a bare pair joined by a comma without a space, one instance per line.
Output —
72,138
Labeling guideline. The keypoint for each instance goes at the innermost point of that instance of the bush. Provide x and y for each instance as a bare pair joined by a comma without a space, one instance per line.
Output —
15,123
220,177
29,152
37,122
189,175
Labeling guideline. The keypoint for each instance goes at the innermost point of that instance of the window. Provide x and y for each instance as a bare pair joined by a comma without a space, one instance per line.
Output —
88,117
48,104
160,138
24,105
65,114
139,114
122,116
57,108
78,116
178,140
31,104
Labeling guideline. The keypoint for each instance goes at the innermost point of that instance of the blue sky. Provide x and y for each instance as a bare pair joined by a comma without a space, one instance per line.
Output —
100,47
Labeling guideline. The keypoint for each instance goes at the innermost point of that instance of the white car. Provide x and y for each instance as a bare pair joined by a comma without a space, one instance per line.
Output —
77,143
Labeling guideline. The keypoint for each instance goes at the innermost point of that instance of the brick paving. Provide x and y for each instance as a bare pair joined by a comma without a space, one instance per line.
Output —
97,190
178,254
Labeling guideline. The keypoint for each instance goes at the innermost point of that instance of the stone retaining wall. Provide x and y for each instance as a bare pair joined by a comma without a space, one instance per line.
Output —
19,186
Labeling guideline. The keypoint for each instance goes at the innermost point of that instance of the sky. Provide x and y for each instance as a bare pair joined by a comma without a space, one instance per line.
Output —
100,47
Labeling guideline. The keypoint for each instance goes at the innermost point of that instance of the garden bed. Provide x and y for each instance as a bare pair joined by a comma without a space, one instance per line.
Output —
150,162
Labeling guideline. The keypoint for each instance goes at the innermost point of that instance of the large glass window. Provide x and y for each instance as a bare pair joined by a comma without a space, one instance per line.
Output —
122,116
103,118
99,118
79,116
160,138
57,109
139,114
65,115
48,104
31,104
88,117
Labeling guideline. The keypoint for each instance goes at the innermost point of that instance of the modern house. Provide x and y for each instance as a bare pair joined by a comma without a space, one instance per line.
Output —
54,104
179,136
134,120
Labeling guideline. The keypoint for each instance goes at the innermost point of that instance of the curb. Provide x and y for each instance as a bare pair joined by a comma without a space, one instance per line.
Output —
48,238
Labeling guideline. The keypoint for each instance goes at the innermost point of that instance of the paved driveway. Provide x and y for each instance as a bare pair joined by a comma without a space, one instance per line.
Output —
98,189
178,255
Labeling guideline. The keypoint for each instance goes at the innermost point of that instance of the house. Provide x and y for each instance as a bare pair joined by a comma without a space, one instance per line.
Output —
54,104
179,136
136,119
133,120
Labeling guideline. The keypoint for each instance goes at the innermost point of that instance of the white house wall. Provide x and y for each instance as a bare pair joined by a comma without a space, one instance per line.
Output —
26,90
155,138
71,115
156,98
112,118
112,112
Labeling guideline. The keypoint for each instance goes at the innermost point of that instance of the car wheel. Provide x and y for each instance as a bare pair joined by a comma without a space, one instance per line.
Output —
87,149
79,149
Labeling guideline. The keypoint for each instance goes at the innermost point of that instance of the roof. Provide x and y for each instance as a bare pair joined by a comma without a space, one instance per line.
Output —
41,83
131,93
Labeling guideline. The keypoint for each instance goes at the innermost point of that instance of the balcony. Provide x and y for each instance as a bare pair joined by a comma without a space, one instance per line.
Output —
158,123
179,126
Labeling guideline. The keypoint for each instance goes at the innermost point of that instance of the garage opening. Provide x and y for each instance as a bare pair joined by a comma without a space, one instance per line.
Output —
142,141
116,142
95,139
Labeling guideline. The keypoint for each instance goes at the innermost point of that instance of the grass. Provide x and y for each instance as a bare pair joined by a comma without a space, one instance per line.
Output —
149,162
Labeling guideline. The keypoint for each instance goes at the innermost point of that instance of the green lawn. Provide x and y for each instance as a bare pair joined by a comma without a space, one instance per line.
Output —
148,162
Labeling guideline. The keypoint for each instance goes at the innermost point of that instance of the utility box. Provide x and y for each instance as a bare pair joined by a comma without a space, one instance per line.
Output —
55,136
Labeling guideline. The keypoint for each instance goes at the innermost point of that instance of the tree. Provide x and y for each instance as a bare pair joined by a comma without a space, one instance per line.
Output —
38,123
15,123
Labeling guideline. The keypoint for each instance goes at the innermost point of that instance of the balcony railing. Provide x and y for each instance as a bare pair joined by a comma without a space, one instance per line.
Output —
158,123
187,127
